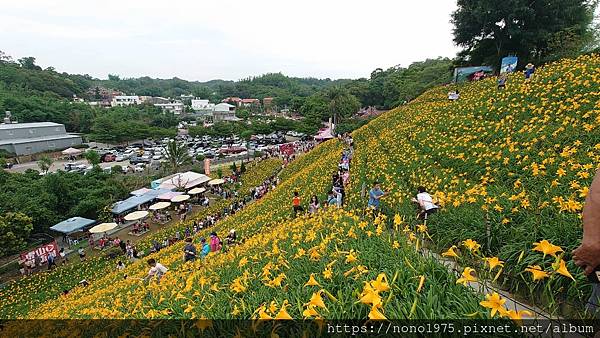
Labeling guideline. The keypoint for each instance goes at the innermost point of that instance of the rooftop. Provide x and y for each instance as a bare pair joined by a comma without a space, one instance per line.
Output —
37,139
4,126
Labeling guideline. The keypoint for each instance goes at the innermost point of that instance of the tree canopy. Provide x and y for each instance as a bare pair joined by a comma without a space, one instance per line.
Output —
489,30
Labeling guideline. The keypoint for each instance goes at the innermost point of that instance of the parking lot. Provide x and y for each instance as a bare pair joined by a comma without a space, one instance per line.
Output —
136,157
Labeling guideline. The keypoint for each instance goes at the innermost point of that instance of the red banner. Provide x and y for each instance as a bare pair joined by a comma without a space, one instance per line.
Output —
42,251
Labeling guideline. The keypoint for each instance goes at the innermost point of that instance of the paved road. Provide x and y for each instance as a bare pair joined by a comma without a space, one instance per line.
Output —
59,164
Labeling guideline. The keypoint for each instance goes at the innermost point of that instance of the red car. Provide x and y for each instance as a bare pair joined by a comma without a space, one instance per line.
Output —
109,157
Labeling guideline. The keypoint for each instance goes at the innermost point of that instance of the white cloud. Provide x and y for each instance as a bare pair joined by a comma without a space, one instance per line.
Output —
229,39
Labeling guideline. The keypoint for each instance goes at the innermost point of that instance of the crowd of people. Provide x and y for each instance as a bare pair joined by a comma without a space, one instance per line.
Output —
340,179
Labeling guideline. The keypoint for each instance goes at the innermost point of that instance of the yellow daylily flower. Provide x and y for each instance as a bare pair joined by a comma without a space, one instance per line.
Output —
472,245
283,314
312,281
351,257
310,312
536,272
467,276
450,252
561,268
494,302
380,283
375,314
316,300
328,274
493,262
547,248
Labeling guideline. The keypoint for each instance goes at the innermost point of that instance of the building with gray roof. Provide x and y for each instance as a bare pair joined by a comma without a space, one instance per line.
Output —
30,138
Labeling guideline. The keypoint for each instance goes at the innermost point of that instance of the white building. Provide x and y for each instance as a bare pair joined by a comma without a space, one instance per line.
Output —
174,107
202,105
122,100
224,112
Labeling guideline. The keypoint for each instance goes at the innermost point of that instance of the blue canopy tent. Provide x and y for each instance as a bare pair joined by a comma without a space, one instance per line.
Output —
72,224
135,201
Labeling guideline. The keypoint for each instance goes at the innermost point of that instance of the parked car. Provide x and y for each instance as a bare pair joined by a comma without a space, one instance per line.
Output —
136,160
109,157
139,168
71,165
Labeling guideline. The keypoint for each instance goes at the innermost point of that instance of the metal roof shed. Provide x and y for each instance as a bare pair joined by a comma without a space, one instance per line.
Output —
72,224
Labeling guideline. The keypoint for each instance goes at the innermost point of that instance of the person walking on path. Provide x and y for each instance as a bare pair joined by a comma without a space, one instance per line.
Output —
587,255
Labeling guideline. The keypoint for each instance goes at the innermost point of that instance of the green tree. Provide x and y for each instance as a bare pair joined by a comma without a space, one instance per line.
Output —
177,155
14,231
44,163
342,104
233,167
28,62
489,29
93,157
243,167
219,172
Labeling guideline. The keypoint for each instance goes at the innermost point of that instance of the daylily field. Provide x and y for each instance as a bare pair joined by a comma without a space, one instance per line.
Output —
509,168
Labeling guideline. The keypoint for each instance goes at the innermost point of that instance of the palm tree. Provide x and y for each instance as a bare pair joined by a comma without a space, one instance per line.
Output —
44,163
177,155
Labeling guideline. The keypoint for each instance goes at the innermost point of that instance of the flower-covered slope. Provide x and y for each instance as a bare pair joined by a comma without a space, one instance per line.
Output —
509,167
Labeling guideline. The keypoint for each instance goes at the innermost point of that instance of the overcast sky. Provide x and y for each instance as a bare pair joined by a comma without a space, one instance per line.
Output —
226,39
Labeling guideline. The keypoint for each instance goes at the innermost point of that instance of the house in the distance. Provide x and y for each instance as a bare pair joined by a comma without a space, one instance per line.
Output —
30,138
224,112
202,105
125,100
236,101
250,102
173,107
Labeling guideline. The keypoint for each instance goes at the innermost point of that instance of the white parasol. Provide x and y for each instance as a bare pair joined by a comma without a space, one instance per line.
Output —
196,191
180,198
216,181
103,227
159,205
134,216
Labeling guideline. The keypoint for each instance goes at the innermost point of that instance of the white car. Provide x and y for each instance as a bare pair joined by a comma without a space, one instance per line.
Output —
156,157
139,168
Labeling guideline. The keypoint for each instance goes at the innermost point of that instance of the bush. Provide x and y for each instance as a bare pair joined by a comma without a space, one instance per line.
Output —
198,169
116,169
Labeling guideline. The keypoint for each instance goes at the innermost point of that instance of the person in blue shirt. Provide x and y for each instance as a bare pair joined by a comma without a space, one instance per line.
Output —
205,248
375,194
331,198
529,70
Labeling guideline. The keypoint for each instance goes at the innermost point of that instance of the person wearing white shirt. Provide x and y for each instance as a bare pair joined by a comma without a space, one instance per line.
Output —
425,202
156,270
